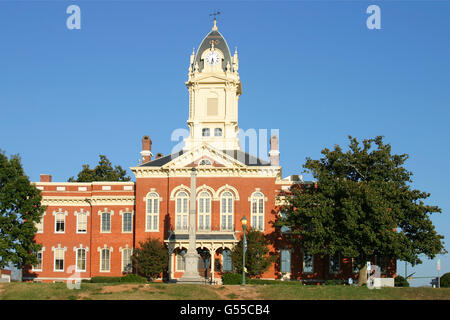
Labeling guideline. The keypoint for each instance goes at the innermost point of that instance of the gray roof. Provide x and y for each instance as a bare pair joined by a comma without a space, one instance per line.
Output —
238,155
203,236
219,43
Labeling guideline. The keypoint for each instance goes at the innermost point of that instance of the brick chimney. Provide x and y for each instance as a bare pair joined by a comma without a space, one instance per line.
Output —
146,152
274,153
46,177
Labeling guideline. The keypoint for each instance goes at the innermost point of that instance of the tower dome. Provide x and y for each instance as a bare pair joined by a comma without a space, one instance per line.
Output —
215,39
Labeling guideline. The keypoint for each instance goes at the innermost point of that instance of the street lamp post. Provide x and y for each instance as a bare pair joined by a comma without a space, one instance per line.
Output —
244,249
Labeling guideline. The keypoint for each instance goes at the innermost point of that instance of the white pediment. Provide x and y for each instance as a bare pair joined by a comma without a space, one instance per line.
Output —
204,151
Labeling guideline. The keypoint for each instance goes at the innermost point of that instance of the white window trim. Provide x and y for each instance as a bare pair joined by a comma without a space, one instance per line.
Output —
99,249
86,249
203,214
121,213
87,213
121,250
303,264
54,258
263,214
65,226
42,261
158,198
182,214
111,212
232,211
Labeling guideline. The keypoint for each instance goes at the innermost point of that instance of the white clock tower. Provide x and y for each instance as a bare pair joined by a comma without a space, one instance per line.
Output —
214,89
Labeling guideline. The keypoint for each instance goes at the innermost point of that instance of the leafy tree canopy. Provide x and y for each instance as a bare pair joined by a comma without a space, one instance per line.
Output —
362,206
257,259
20,209
102,172
151,258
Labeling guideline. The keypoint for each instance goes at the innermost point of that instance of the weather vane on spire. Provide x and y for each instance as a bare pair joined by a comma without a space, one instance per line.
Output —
215,14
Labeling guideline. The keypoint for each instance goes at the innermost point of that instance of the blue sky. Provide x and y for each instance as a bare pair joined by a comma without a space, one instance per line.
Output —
311,69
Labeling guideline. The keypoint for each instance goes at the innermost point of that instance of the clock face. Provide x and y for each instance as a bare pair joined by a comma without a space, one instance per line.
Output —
212,58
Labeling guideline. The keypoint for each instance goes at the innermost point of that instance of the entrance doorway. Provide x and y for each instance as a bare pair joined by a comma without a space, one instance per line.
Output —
204,265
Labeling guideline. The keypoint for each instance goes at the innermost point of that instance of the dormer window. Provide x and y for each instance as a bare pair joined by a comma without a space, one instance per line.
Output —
217,132
205,132
204,162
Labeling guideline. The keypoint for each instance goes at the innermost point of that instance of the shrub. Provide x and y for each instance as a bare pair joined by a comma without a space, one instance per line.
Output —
134,278
445,280
334,282
105,279
151,258
400,281
233,278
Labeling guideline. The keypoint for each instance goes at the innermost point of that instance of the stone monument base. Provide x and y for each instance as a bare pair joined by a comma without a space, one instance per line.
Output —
191,274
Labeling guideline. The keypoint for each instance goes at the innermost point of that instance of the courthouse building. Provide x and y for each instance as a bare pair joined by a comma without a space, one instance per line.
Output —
91,229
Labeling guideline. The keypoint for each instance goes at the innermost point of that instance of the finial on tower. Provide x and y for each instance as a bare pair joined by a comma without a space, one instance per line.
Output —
214,28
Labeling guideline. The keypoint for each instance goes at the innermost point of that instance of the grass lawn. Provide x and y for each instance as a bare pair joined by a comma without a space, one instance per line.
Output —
162,291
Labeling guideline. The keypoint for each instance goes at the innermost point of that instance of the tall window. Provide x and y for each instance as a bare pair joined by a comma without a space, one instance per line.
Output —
204,211
60,218
335,266
308,263
127,222
82,222
285,260
126,260
180,260
152,216
182,209
105,260
257,211
38,265
106,222
59,259
81,259
217,132
227,265
226,211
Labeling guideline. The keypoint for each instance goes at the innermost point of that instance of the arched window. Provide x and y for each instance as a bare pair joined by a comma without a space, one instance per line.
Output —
205,132
105,260
181,211
126,260
81,259
226,211
204,211
180,263
226,261
152,216
257,211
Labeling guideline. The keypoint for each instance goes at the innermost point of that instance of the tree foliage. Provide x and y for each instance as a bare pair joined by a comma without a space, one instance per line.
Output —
150,259
362,206
102,172
20,209
257,259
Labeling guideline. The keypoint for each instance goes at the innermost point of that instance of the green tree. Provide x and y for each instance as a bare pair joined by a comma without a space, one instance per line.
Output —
362,206
102,172
257,259
20,209
151,258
